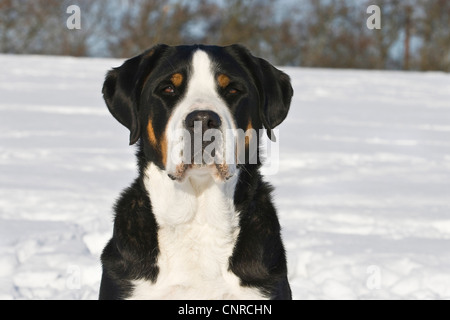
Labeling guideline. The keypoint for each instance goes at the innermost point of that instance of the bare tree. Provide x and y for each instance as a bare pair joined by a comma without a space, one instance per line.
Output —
139,24
248,22
333,35
322,33
39,27
433,28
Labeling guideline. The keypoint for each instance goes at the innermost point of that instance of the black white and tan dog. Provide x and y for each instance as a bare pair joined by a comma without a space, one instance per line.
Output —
196,230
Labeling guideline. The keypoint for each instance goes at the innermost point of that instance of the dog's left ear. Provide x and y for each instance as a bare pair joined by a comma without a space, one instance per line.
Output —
274,86
122,89
277,92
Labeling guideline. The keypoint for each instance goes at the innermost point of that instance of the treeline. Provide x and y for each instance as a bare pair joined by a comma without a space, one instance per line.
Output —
414,34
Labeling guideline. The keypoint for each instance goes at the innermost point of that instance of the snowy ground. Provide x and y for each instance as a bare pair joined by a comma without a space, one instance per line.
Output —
363,188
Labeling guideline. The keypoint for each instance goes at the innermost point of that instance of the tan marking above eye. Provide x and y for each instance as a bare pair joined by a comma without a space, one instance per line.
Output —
223,80
177,79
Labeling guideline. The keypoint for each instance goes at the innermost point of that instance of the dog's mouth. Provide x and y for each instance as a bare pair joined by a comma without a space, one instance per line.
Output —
200,158
200,154
219,172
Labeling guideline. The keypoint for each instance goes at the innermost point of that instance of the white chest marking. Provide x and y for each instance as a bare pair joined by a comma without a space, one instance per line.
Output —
198,230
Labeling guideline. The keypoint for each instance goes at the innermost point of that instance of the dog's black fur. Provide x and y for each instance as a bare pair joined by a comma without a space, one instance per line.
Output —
133,94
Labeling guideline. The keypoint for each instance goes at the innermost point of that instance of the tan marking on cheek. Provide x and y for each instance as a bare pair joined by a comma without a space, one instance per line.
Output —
223,80
163,149
160,146
250,133
151,133
242,150
177,79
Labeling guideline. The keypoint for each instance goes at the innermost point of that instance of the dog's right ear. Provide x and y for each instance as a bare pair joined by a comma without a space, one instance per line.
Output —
123,85
274,86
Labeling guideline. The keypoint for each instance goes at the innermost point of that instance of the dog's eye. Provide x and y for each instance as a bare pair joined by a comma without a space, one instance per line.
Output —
169,90
234,89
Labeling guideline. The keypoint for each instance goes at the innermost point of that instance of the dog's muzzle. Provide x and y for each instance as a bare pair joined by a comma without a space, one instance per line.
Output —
203,145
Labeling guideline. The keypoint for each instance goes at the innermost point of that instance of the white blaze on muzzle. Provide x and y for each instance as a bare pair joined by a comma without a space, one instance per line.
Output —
217,144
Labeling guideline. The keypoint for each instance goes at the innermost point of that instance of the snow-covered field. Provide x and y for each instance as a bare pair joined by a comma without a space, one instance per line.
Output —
363,188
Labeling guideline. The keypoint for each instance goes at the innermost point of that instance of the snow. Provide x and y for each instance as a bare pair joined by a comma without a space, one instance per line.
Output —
362,187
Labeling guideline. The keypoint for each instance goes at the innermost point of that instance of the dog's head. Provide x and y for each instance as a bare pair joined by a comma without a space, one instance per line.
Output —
198,109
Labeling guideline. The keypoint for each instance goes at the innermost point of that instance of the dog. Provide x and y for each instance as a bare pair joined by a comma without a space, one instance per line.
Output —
192,227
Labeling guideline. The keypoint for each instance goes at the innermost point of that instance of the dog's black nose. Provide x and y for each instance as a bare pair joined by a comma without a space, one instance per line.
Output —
209,120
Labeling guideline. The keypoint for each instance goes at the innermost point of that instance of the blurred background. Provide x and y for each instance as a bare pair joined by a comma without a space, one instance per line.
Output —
414,34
